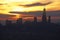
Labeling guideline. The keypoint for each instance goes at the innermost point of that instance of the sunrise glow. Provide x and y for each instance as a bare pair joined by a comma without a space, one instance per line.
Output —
7,6
13,5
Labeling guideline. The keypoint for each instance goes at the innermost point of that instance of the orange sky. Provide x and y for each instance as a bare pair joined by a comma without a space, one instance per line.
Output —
13,5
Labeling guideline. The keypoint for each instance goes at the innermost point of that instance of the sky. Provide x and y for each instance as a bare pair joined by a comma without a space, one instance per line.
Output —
7,6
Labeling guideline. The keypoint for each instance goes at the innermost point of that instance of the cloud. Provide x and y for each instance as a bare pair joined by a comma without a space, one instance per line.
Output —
1,4
38,13
6,16
36,4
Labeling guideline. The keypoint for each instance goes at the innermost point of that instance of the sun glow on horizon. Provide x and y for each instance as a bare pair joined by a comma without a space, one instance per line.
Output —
16,5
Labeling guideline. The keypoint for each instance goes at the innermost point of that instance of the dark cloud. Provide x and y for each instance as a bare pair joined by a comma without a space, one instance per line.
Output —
38,13
6,16
36,4
2,4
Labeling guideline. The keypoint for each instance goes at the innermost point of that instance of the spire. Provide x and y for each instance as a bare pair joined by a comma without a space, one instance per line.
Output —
44,11
44,16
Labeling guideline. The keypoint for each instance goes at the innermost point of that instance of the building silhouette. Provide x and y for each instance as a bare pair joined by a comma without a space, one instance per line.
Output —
49,19
44,19
30,30
19,21
8,22
35,19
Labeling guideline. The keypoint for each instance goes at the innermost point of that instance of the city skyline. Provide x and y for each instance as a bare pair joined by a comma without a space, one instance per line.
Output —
12,9
42,18
30,19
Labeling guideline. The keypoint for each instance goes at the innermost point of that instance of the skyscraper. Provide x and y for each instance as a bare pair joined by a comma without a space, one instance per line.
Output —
8,22
19,21
35,19
49,19
44,20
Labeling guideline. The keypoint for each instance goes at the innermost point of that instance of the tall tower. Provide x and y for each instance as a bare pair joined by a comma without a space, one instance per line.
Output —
44,16
35,19
19,21
49,19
